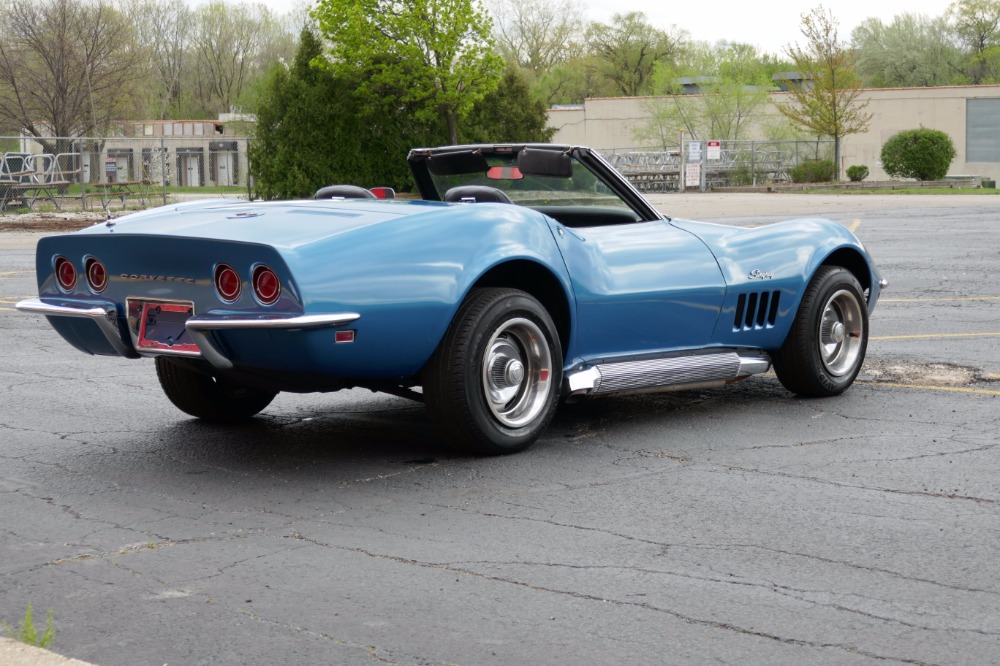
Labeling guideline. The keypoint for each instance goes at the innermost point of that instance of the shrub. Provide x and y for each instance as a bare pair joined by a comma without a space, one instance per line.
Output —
924,154
813,171
741,175
857,173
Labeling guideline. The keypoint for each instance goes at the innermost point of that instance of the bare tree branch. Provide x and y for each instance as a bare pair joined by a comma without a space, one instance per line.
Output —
67,67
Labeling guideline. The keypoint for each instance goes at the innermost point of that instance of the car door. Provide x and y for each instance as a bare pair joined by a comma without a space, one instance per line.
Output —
641,288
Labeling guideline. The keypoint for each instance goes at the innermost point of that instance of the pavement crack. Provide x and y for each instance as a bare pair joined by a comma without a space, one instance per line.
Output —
380,477
372,651
647,606
735,546
938,454
830,560
856,486
798,594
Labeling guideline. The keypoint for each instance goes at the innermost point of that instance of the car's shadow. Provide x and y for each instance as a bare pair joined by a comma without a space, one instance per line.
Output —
384,428
380,430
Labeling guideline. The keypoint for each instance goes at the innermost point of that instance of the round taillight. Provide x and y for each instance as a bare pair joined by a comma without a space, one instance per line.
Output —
227,283
65,274
266,286
97,275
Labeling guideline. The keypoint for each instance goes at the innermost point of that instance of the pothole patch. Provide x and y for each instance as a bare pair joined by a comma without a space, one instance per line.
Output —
935,374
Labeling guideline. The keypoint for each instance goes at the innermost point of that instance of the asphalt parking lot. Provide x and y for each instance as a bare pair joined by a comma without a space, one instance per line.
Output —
738,525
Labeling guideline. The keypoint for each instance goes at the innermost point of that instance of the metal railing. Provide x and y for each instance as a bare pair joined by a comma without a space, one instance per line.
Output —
100,171
116,171
724,164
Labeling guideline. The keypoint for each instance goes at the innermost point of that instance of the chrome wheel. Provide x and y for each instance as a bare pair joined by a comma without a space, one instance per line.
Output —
493,383
841,333
517,372
826,345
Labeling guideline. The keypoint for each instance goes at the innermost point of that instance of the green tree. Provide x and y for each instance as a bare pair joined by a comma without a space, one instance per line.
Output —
435,56
510,114
977,26
627,51
924,154
313,130
573,81
733,81
826,101
545,40
911,51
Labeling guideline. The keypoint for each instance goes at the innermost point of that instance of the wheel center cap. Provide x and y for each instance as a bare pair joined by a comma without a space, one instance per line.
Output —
514,372
838,332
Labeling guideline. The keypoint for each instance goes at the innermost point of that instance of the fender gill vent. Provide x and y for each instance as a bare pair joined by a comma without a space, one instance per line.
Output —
756,310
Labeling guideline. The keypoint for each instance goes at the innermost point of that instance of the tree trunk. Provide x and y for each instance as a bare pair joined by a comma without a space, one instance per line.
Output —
836,159
452,122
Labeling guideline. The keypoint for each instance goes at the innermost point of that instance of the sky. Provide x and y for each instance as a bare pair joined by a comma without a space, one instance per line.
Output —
771,26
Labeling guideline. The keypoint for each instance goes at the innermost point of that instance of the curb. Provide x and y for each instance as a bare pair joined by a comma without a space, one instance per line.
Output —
13,653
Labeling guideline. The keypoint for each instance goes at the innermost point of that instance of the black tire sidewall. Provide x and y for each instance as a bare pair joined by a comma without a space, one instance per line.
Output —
471,424
503,311
798,364
201,396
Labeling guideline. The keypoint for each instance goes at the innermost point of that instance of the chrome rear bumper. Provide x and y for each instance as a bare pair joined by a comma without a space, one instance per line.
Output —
201,328
105,315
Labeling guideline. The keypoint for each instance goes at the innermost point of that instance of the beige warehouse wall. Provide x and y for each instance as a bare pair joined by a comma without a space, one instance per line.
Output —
608,124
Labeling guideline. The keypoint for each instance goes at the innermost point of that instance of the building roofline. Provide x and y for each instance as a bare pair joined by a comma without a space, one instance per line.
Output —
949,87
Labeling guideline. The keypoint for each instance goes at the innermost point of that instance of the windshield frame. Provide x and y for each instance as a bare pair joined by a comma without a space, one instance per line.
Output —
593,182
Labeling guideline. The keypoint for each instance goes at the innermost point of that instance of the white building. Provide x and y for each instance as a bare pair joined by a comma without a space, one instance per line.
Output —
970,115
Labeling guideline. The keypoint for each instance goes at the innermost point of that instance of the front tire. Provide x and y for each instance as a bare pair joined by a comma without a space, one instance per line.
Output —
207,397
827,343
492,386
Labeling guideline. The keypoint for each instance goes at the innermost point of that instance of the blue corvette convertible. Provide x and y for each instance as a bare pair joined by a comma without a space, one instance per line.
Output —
524,275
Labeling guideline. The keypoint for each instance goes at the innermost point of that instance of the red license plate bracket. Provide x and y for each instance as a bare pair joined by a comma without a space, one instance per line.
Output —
162,327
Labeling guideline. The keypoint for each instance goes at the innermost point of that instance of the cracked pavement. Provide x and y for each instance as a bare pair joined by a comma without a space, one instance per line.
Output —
732,526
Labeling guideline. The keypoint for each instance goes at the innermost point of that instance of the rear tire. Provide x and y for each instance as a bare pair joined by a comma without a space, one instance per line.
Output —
207,397
493,384
829,337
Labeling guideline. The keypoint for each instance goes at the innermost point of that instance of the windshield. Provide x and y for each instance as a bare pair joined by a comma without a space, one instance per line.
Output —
582,188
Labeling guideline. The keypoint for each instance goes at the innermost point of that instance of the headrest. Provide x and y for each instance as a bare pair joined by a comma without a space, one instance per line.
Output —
476,194
343,192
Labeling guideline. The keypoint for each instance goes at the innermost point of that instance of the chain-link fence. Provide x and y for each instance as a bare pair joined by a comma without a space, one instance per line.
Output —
113,171
709,164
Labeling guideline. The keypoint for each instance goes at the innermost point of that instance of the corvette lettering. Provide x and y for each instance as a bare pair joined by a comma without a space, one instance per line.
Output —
157,278
760,275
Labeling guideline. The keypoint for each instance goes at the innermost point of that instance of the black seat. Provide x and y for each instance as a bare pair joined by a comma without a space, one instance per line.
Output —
476,194
343,192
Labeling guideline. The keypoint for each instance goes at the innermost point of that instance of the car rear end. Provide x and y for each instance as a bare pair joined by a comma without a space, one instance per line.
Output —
233,305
